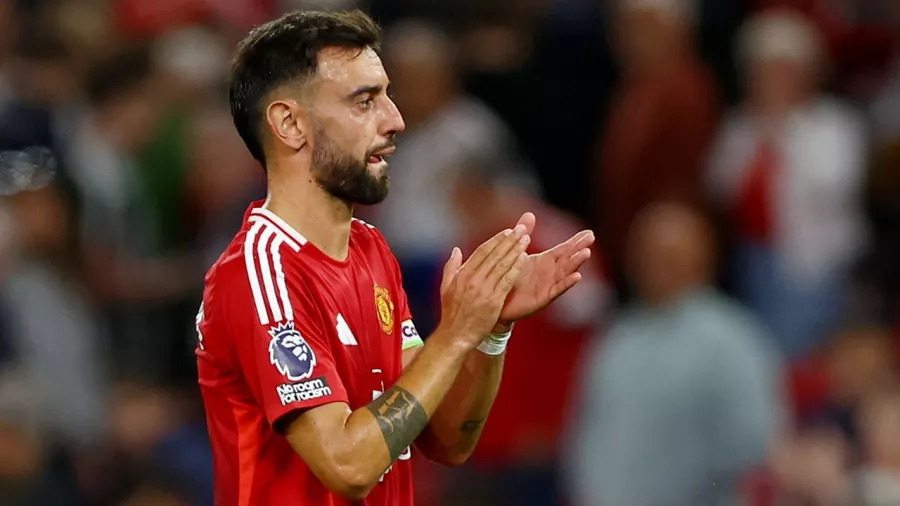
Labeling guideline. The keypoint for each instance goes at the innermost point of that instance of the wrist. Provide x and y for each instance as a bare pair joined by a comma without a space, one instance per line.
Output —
457,341
495,343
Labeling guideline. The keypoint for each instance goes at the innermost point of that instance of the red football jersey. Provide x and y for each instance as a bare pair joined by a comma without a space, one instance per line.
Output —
284,327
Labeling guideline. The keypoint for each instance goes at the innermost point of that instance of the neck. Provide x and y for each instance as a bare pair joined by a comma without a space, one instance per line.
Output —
671,296
322,219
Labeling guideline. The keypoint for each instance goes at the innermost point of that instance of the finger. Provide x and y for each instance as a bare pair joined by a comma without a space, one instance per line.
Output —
503,257
529,221
518,239
485,249
562,286
586,240
450,269
574,262
508,279
583,239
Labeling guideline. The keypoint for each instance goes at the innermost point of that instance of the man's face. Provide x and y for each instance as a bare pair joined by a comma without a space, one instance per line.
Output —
776,85
668,252
354,126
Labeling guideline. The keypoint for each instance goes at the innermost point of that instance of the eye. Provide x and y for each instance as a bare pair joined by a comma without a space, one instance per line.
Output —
367,103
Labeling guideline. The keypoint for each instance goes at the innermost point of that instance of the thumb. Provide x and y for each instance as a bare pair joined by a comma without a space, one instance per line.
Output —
450,268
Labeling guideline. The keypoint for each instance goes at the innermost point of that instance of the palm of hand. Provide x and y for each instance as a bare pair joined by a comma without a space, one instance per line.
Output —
545,276
530,291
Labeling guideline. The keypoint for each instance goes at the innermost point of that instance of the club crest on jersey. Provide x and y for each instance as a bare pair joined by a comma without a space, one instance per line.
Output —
385,308
290,353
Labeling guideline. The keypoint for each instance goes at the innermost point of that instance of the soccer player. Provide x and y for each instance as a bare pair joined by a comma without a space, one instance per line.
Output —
315,381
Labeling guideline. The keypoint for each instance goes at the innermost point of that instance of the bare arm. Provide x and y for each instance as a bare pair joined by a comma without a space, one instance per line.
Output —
454,429
349,450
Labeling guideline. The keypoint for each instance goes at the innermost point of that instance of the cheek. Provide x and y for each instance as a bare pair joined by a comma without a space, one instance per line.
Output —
354,136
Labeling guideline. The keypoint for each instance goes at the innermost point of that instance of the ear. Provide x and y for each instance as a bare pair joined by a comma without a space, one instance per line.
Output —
287,124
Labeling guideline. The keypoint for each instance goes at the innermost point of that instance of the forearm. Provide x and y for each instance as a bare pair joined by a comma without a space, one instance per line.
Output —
455,427
374,436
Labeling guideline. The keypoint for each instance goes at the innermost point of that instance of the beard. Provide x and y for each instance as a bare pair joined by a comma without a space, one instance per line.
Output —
345,177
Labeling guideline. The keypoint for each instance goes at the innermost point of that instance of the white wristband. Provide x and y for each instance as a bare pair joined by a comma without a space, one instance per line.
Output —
495,344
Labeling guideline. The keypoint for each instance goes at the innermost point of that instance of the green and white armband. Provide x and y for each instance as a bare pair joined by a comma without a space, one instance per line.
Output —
495,344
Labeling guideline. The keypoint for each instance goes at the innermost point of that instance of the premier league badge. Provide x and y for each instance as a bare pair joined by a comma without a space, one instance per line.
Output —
290,353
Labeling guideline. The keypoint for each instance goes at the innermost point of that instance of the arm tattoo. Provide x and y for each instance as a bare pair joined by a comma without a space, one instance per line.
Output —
471,425
400,417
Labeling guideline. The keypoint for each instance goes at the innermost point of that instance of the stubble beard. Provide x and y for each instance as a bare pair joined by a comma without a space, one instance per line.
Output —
344,176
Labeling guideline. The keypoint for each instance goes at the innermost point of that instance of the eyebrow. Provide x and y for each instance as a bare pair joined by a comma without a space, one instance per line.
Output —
366,90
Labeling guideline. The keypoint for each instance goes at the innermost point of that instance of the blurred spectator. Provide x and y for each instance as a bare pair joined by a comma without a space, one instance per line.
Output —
23,445
662,121
193,60
517,459
41,97
83,24
860,364
153,429
787,171
222,178
55,337
681,400
445,129
526,60
188,64
129,271
855,37
813,470
817,464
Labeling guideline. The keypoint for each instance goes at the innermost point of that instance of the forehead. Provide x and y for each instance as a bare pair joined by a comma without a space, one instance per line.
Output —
345,70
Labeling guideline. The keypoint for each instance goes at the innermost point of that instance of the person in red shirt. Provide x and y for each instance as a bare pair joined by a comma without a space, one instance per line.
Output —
316,385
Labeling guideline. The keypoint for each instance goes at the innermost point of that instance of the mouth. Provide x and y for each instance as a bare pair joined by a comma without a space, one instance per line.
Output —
381,155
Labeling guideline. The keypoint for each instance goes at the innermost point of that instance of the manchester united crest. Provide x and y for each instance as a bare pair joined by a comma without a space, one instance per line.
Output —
385,308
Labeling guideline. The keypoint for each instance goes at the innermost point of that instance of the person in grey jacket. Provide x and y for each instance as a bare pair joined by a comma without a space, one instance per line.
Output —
681,399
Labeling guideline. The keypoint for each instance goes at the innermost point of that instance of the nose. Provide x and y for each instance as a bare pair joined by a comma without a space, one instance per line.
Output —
393,121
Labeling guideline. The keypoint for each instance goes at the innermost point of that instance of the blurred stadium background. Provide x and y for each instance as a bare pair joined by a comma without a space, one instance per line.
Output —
736,339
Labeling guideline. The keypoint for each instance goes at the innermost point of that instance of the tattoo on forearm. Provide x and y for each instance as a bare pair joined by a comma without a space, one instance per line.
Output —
471,425
400,417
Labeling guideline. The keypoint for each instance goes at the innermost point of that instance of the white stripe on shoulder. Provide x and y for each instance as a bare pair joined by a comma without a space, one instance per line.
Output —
296,236
275,249
265,271
252,276
286,239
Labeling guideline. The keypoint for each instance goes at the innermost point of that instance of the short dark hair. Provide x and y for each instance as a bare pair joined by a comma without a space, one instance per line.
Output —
287,50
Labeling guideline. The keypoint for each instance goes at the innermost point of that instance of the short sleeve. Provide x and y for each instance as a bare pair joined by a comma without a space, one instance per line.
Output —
283,348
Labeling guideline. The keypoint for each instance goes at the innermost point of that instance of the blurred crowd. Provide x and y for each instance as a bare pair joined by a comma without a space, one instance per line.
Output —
735,339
